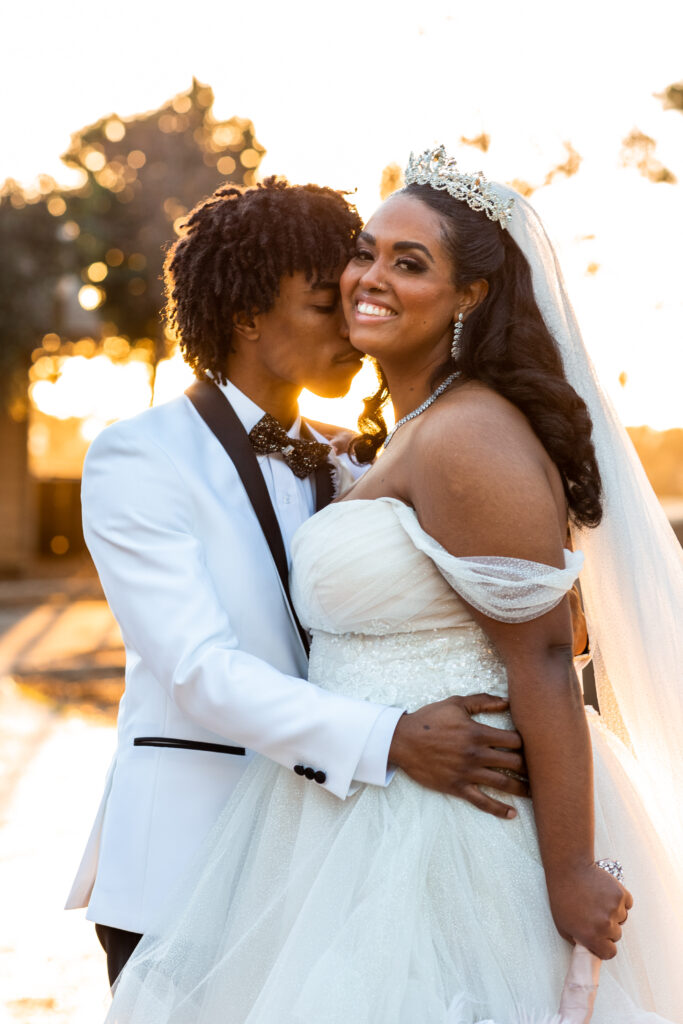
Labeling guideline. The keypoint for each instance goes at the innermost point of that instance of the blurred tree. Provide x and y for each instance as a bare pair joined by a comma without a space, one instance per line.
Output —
568,168
482,141
34,255
391,181
672,97
88,260
141,176
638,150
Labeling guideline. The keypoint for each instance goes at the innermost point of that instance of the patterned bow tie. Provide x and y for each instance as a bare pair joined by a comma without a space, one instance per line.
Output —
302,457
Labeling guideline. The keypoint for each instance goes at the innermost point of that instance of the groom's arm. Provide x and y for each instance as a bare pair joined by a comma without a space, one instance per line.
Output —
138,524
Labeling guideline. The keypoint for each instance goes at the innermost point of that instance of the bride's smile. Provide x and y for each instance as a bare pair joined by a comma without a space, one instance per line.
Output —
366,308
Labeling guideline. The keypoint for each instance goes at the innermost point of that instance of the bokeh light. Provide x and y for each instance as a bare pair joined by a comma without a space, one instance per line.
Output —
90,297
114,257
56,206
114,130
226,165
97,272
69,231
59,544
94,160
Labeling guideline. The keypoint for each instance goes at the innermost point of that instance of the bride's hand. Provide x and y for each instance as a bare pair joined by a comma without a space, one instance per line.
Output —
589,906
443,748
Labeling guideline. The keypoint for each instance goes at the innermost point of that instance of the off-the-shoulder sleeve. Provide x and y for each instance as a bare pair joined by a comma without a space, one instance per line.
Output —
506,589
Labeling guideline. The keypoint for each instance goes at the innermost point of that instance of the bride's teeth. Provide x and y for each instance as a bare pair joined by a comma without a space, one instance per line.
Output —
368,309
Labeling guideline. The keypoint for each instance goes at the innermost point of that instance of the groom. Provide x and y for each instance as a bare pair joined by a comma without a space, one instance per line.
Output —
189,510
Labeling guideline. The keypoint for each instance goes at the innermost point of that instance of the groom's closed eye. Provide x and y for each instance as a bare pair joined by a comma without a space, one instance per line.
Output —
326,297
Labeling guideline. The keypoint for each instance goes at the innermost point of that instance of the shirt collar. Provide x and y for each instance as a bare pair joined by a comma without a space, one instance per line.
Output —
249,412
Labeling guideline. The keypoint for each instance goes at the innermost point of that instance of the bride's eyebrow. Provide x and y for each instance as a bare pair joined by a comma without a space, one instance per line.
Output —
414,245
365,236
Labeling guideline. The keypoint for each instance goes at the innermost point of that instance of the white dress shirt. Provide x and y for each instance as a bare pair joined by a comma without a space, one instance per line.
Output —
294,502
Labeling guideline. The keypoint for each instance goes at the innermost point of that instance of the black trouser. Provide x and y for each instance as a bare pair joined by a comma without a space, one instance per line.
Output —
118,945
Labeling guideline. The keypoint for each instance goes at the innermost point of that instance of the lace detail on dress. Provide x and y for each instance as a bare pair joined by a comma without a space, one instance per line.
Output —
381,668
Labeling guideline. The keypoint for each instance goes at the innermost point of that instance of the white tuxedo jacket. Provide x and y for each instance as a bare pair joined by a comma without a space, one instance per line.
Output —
212,655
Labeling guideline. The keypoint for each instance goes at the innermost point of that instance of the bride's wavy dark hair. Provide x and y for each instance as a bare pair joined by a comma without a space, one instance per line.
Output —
506,345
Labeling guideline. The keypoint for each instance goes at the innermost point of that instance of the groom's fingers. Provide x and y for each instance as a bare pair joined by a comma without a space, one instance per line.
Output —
490,736
483,802
505,783
483,703
503,760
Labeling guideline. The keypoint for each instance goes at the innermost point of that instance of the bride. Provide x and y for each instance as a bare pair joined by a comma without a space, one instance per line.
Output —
445,569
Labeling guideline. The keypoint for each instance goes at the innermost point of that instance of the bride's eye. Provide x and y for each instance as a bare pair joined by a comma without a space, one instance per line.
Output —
410,264
363,255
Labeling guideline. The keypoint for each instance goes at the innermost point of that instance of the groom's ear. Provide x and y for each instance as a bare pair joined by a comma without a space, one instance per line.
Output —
246,326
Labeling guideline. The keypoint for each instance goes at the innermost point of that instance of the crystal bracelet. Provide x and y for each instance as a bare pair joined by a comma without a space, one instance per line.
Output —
613,868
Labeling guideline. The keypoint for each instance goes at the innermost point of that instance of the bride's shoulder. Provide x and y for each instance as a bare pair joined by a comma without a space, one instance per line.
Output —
474,421
481,480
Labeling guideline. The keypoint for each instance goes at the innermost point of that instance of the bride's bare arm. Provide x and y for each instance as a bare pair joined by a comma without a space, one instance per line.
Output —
482,485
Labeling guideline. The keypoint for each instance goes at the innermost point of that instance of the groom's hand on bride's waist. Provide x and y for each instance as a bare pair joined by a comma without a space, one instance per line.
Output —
443,748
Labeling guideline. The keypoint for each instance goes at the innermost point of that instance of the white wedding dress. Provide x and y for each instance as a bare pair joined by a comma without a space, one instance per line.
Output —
400,905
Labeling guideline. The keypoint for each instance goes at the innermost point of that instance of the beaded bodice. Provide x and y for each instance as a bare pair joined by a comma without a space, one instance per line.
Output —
384,603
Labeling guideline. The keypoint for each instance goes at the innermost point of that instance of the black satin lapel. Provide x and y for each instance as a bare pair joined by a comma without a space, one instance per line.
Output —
220,417
324,487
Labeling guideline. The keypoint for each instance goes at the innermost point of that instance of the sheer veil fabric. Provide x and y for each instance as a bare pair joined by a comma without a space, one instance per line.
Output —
632,581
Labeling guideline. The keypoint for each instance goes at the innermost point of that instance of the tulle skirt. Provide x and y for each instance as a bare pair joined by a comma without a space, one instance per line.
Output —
397,906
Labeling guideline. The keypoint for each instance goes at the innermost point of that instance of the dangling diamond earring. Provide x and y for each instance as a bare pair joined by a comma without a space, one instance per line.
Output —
457,333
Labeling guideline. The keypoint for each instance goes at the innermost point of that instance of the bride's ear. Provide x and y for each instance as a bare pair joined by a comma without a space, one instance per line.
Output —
246,326
470,296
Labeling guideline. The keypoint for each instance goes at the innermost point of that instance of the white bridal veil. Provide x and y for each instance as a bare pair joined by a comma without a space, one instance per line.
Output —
632,581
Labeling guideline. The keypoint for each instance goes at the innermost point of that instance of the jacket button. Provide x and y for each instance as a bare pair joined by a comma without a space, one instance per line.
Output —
309,773
320,777
299,769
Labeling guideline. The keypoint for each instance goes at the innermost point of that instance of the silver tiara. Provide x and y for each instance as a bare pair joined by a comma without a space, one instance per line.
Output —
434,168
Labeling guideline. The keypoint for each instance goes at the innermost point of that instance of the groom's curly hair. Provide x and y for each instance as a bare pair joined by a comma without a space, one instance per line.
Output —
237,247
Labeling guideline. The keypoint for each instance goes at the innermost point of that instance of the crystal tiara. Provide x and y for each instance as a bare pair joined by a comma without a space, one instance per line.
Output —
434,168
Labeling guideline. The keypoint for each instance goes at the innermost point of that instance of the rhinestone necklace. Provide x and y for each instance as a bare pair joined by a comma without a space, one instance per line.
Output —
421,408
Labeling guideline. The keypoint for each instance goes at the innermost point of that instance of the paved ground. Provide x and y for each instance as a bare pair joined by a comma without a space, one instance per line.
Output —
60,676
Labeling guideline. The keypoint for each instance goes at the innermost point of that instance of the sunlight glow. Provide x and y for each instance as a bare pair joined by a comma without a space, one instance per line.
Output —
172,377
94,388
343,412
